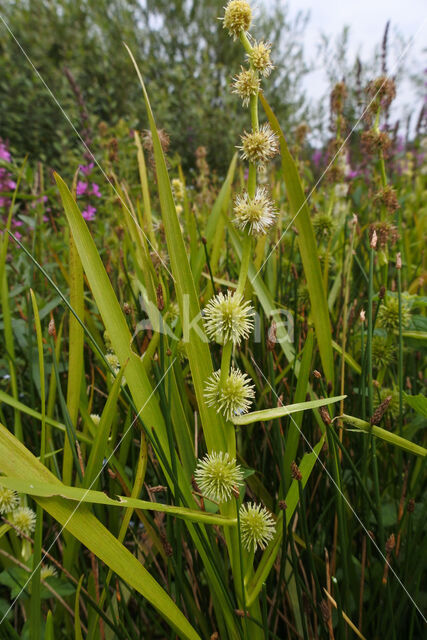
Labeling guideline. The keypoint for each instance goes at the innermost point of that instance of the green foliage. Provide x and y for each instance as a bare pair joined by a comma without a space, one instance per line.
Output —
104,362
186,60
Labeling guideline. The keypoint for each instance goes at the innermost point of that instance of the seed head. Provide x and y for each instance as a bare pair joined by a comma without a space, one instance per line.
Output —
217,475
48,571
246,84
178,189
96,418
388,314
237,17
259,146
390,408
383,353
295,472
113,361
234,397
323,225
227,318
379,412
24,519
257,213
256,525
8,499
259,57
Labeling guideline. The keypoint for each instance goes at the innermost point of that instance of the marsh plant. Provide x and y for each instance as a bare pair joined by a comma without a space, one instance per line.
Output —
212,392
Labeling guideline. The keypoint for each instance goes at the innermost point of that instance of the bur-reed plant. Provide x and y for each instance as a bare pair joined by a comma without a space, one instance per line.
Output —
209,452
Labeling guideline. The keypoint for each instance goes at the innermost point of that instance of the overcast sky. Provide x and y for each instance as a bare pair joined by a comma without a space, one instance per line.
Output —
366,19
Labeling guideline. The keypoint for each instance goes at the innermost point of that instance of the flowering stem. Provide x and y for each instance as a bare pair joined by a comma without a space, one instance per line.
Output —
244,265
245,42
241,570
225,362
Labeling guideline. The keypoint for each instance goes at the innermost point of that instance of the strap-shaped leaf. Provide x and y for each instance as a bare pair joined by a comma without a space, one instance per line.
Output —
307,246
79,494
217,433
82,524
388,436
292,497
278,412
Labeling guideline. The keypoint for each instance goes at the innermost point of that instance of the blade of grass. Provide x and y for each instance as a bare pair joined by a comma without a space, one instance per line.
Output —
383,434
307,246
16,459
300,393
292,497
75,353
35,602
278,412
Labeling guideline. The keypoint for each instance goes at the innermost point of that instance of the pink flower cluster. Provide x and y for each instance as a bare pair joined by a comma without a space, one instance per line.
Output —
6,182
7,185
86,188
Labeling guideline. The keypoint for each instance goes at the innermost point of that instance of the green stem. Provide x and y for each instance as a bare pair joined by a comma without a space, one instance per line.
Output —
244,265
225,362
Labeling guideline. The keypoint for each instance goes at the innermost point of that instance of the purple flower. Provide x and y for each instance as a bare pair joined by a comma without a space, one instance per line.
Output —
86,169
4,153
95,190
89,212
81,188
17,223
317,157
353,173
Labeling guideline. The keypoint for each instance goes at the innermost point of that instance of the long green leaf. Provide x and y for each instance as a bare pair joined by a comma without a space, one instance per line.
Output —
388,436
308,248
278,412
75,354
112,315
20,406
214,427
293,435
292,497
16,459
79,494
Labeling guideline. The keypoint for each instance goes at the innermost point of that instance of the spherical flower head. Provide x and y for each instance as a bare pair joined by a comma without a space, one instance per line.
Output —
323,225
257,527
383,353
8,499
388,314
218,475
237,17
259,57
256,214
227,318
259,146
246,84
178,189
24,520
113,362
232,398
48,571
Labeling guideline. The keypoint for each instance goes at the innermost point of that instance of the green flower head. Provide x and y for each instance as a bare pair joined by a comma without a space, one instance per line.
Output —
8,499
234,397
237,17
218,476
256,525
227,318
